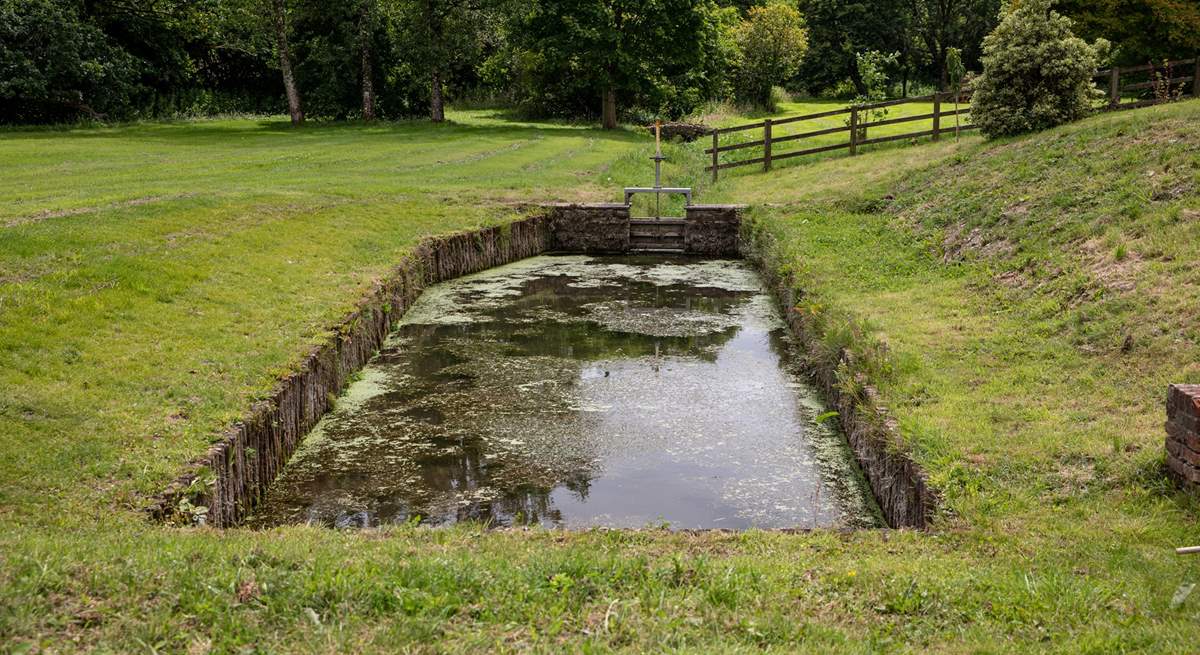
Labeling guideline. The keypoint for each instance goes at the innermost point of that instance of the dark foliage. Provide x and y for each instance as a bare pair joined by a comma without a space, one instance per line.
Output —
65,60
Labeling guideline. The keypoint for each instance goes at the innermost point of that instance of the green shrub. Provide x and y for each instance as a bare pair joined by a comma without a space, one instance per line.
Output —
772,41
1036,72
872,70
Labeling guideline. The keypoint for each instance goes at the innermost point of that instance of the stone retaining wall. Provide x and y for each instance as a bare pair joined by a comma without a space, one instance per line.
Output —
1183,433
710,230
592,229
713,230
898,483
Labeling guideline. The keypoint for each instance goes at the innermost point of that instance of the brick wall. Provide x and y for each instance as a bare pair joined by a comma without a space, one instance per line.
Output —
1183,433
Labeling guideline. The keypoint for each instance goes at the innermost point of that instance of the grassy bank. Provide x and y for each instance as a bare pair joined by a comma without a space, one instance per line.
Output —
1035,297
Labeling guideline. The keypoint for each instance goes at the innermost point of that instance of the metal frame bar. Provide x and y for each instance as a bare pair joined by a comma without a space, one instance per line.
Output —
685,191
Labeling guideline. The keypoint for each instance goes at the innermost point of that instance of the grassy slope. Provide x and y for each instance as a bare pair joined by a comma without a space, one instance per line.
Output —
1010,382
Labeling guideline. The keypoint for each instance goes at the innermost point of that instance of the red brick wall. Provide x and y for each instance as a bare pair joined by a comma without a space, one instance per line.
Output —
1183,432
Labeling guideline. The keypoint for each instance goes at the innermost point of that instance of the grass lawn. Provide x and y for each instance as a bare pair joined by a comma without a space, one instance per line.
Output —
133,259
1036,296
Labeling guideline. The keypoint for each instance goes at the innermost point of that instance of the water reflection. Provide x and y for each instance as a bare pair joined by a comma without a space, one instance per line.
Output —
572,392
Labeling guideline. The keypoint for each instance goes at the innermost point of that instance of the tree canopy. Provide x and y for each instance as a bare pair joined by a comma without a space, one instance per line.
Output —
64,60
772,42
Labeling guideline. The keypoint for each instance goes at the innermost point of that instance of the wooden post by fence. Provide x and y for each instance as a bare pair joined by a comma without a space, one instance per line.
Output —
1114,87
853,130
1196,77
716,154
767,145
937,116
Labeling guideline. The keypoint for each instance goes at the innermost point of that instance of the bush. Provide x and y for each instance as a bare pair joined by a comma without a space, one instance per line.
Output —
772,41
1036,72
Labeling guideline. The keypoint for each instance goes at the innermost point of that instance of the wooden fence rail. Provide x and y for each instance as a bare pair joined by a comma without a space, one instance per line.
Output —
856,125
1156,76
1122,82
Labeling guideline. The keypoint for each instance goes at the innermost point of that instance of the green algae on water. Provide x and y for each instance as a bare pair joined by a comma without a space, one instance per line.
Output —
575,392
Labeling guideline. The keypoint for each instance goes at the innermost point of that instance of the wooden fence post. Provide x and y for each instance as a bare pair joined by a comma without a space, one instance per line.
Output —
1196,77
767,145
1114,87
937,116
716,153
853,130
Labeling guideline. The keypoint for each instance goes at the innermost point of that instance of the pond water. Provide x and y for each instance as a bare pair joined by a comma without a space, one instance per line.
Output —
573,391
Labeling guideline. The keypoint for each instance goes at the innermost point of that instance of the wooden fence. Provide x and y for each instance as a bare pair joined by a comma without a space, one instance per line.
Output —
1128,88
857,125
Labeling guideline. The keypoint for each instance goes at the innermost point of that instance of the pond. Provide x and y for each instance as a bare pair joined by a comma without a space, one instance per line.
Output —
574,391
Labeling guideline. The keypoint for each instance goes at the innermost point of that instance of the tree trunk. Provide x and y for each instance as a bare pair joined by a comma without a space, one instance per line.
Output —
943,72
279,16
437,108
859,86
608,113
368,80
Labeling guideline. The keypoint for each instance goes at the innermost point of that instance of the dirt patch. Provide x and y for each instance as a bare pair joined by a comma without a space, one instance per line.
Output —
1072,478
1013,279
1169,185
1166,133
1116,274
77,211
957,242
18,278
1016,211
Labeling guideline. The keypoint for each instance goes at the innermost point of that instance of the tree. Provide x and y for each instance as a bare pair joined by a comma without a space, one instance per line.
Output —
366,64
279,13
772,41
617,52
1141,30
440,33
118,59
57,65
840,29
1036,72
957,71
944,24
872,70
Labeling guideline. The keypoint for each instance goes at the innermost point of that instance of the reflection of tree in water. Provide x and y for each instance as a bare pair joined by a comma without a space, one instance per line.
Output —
459,488
470,486
460,395
550,317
